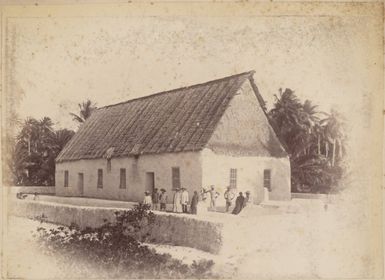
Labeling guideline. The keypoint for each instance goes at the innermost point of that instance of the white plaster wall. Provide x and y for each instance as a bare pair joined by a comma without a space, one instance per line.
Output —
216,171
160,164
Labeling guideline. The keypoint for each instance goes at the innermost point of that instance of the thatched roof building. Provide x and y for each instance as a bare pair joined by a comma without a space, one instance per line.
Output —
183,132
178,120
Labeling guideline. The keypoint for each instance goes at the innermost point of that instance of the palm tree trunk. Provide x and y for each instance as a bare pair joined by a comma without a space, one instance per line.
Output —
29,146
334,152
318,145
339,148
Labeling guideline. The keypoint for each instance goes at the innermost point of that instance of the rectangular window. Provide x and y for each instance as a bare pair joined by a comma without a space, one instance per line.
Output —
109,165
233,178
122,184
80,182
175,174
100,178
267,179
66,175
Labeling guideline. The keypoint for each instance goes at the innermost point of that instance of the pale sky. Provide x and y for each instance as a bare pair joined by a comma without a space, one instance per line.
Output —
61,61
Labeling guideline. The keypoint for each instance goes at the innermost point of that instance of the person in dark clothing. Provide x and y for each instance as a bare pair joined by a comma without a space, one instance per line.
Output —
194,203
238,204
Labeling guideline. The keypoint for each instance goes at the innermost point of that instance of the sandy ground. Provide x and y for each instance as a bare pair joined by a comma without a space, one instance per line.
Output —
22,256
300,239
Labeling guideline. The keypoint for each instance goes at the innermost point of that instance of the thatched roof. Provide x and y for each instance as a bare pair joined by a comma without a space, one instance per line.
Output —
173,121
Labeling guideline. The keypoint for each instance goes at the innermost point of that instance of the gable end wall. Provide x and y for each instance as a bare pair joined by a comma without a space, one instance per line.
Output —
244,129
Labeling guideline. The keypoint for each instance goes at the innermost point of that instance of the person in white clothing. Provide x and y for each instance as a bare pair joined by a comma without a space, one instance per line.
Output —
147,199
185,200
177,204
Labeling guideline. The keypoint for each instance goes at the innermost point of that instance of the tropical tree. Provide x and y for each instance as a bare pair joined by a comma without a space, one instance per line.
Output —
36,148
86,108
60,139
304,134
310,173
285,118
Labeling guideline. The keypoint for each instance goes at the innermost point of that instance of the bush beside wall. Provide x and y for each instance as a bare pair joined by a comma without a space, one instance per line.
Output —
167,228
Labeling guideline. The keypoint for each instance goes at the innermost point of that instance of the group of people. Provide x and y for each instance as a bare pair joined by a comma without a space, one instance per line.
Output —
156,200
229,195
240,202
181,200
183,204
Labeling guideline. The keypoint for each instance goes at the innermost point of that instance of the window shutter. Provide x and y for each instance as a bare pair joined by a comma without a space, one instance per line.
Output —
233,178
122,178
100,178
175,174
66,175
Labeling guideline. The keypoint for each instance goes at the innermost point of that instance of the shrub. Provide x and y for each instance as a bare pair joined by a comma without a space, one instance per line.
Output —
113,251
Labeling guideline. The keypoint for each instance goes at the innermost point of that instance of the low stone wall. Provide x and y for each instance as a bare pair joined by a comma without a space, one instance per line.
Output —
321,196
31,189
173,229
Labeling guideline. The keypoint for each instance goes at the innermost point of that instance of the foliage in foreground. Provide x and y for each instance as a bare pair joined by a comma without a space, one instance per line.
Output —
112,250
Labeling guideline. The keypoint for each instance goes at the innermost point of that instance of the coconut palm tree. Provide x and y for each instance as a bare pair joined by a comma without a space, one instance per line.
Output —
86,108
60,139
285,118
303,134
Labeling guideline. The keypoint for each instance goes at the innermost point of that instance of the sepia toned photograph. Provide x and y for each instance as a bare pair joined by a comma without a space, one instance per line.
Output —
192,140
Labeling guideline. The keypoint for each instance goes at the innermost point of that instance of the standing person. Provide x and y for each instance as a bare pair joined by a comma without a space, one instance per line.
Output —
229,196
194,203
204,202
248,199
238,204
155,199
147,199
163,200
184,200
177,208
213,196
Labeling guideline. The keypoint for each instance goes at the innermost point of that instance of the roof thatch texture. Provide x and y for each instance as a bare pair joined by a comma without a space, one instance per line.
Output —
173,121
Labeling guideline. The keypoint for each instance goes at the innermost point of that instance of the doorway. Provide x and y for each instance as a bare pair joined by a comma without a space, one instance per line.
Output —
150,181
81,183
